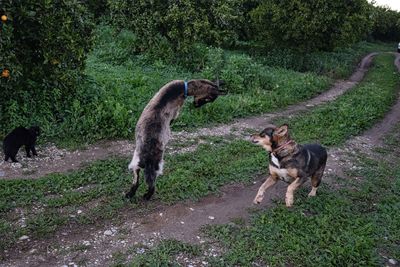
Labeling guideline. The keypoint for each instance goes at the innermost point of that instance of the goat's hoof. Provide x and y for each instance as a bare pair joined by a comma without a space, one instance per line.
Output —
147,197
129,195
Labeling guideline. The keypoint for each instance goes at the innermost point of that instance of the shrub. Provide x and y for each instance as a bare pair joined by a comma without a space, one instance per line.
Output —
311,25
170,30
386,24
43,45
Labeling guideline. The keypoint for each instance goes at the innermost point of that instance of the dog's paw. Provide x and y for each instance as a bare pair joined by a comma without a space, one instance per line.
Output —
289,202
258,199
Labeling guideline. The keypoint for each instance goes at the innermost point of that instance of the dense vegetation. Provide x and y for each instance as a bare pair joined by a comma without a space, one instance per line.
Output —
71,66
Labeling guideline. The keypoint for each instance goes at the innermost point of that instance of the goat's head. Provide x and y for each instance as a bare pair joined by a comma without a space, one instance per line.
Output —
205,91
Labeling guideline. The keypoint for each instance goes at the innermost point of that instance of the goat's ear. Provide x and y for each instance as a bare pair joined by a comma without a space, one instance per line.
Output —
220,82
282,130
222,92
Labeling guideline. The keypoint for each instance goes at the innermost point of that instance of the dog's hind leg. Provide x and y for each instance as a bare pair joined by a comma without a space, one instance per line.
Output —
267,184
316,180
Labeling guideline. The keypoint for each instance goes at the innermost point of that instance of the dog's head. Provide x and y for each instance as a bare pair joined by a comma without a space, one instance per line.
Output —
271,137
205,91
34,130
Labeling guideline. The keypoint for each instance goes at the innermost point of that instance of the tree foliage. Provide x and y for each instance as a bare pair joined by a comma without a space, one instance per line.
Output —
309,25
43,46
174,26
386,24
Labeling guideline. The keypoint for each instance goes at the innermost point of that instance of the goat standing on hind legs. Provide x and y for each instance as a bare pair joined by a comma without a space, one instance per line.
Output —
153,128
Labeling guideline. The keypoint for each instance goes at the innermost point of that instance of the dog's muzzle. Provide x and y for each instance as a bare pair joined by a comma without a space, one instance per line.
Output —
253,139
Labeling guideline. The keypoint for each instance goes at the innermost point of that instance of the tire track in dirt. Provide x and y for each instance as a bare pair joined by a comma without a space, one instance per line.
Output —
54,160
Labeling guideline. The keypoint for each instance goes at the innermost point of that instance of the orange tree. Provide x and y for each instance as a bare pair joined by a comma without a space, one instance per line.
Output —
309,25
171,29
386,24
43,45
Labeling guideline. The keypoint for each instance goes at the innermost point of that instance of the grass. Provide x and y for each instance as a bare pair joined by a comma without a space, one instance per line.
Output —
164,255
338,64
353,112
353,226
120,83
357,224
51,202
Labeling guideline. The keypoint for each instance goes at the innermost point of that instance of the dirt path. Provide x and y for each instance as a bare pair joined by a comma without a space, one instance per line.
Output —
94,245
52,159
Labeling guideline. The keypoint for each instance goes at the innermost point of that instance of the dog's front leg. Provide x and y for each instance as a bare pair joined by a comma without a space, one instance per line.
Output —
290,192
267,184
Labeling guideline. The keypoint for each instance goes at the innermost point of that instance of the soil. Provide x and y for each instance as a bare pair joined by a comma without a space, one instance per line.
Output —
183,220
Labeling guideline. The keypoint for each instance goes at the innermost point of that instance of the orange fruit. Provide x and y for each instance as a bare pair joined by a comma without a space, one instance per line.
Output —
5,73
4,18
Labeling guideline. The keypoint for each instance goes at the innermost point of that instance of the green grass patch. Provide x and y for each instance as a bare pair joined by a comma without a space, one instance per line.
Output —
349,227
356,225
338,64
120,83
164,255
353,112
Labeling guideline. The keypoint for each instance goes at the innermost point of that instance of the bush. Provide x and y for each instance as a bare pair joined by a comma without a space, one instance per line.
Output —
386,24
44,46
170,30
311,25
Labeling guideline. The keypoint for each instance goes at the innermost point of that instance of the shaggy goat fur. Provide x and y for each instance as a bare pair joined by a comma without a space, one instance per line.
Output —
153,127
20,136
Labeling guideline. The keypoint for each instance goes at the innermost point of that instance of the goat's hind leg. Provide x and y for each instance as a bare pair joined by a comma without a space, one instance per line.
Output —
135,183
151,177
134,167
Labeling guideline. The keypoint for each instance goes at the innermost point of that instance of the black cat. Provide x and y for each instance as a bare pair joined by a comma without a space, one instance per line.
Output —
20,136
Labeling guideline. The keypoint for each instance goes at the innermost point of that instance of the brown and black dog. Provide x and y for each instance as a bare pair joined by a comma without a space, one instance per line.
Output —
290,162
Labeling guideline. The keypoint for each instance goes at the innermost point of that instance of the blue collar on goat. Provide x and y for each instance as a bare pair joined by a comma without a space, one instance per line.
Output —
185,94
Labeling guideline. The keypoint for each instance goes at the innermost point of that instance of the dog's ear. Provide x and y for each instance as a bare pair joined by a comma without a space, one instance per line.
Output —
282,130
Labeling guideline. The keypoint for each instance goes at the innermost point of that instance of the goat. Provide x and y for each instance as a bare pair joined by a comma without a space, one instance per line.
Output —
153,127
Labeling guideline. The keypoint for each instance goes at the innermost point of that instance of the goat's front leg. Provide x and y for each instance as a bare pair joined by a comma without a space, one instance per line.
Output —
290,192
267,184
